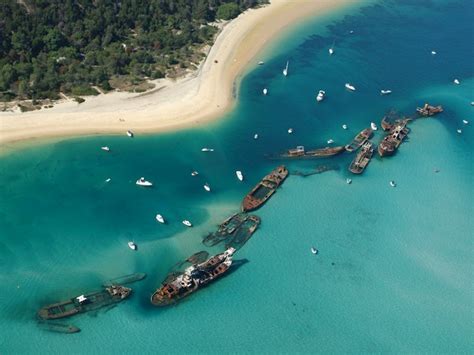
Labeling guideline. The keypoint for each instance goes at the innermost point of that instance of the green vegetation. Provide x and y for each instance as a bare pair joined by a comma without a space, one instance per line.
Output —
228,11
52,46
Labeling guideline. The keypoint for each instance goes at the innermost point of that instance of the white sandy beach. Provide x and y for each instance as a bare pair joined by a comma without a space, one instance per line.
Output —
205,95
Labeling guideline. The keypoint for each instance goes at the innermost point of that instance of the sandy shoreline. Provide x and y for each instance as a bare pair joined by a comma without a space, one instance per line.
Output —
201,97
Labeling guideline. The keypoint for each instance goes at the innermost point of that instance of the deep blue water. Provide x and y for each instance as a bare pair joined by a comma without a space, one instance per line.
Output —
394,272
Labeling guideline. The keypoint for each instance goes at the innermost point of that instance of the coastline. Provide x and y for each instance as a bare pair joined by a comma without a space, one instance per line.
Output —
187,102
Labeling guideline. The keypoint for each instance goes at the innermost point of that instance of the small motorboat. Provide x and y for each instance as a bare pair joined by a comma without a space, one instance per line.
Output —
194,173
290,130
330,141
392,183
261,62
105,149
456,81
344,126
351,31
130,134
285,71
239,174
132,245
373,126
459,131
350,87
160,218
321,95
207,149
465,121
331,51
472,103
108,180
187,223
385,92
265,91
255,136
207,187
348,181
433,52
314,250
143,182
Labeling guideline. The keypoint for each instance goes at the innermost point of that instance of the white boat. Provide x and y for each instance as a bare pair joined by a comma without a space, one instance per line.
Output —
265,91
465,121
459,131
433,52
350,87
207,187
330,141
392,183
348,181
351,31
285,71
207,149
456,81
373,126
143,182
132,245
472,103
344,126
130,134
187,223
290,130
331,51
321,95
314,250
261,62
160,218
108,180
255,136
239,174
385,92
194,173
106,149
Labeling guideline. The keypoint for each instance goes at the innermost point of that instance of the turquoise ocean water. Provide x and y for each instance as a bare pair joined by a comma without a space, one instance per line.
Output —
394,271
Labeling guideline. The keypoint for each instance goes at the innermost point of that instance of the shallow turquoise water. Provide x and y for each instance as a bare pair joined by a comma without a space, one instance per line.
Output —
394,272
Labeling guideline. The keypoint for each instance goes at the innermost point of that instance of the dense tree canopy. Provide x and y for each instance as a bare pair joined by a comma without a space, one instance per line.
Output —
48,46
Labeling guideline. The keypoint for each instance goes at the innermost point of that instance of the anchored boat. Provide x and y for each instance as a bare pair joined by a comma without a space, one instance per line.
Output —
264,189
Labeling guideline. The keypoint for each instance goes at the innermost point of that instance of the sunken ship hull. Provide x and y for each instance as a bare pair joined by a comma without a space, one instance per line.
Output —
193,278
264,189
85,303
